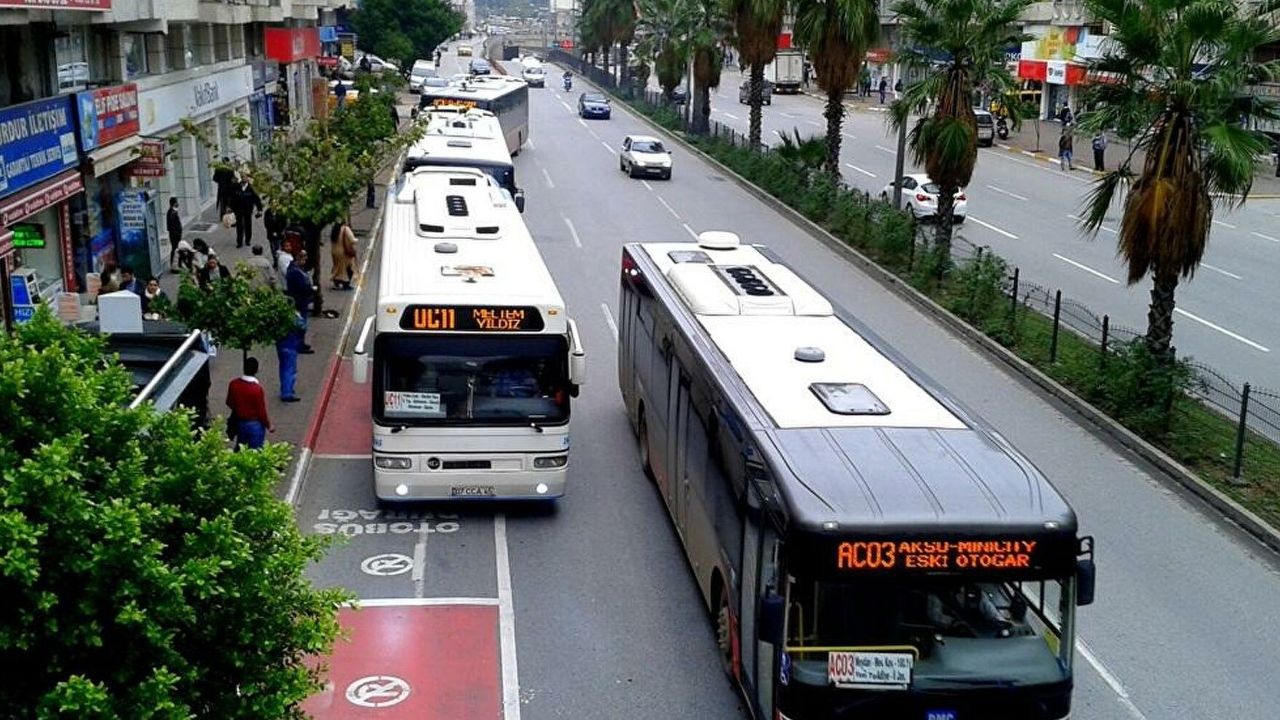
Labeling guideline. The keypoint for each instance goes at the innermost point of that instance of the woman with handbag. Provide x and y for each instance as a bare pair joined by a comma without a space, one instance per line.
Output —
342,248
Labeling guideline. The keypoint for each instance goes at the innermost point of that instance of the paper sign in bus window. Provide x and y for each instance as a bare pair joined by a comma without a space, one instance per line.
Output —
876,669
411,404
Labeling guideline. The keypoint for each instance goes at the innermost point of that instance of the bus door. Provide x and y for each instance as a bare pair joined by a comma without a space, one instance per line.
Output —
677,485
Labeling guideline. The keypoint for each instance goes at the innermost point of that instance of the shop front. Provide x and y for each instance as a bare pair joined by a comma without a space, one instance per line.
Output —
1054,63
262,119
39,174
295,49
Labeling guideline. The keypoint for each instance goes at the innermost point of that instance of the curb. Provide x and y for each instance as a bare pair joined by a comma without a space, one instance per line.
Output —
1171,469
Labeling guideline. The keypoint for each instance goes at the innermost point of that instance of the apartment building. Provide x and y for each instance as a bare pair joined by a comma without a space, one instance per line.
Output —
93,96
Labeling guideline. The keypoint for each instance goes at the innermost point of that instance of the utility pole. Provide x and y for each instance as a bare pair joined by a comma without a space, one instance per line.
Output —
898,162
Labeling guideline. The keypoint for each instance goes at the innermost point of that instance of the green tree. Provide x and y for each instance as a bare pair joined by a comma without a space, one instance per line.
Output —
148,571
681,32
404,30
756,24
1182,69
606,23
661,25
836,34
238,312
971,36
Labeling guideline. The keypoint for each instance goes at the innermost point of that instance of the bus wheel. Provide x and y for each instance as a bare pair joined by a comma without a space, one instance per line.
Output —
644,448
724,632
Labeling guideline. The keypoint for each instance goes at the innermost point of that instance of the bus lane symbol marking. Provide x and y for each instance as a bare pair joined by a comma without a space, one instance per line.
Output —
377,691
387,564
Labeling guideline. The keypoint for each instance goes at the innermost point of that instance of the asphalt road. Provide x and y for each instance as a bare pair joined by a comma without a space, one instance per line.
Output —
587,610
1025,208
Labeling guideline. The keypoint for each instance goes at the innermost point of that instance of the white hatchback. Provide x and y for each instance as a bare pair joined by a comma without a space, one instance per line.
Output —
920,196
644,156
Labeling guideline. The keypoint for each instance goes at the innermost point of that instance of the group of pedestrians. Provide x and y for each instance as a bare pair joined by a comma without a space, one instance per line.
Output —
1066,143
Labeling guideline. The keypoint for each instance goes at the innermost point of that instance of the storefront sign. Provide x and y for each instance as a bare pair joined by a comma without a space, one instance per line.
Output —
37,141
133,234
328,33
164,107
1069,73
27,235
1055,72
878,56
327,61
107,115
288,45
97,5
6,245
68,257
25,204
150,160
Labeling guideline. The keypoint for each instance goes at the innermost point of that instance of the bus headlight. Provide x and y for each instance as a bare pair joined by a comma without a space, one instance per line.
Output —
550,462
392,463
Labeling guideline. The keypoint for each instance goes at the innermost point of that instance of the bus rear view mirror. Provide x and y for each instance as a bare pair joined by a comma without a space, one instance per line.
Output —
360,357
1086,580
519,196
772,606
577,357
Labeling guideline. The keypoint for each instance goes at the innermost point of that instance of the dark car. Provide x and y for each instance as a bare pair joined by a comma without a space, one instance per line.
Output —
986,127
593,105
766,92
480,66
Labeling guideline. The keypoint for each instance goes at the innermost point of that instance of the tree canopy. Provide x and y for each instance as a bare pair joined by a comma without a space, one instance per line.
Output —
404,30
147,570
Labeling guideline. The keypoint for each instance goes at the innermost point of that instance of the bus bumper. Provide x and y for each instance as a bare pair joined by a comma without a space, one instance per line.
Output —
392,485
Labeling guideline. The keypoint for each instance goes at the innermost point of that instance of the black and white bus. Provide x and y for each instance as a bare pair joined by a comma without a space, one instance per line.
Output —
505,97
867,547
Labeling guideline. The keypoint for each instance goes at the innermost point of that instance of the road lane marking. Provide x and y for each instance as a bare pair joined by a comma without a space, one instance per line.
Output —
420,562
671,210
993,228
1222,330
1110,679
1224,224
731,116
1103,228
608,319
566,106
583,123
387,564
692,234
788,115
573,231
851,137
882,148
529,142
1220,270
547,176
1265,237
1006,192
1087,269
377,691
851,166
646,185
606,145
423,602
506,622
815,123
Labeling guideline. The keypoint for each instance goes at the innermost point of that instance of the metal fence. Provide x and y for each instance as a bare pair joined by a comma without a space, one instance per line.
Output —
1251,408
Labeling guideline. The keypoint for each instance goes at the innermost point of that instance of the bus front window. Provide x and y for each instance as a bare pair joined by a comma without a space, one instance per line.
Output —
471,380
959,633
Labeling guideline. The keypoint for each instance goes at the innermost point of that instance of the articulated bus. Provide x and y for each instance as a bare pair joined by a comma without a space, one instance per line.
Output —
474,358
505,97
867,547
456,137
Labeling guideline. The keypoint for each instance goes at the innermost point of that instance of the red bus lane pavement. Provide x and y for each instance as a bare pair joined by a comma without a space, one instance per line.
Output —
346,429
401,660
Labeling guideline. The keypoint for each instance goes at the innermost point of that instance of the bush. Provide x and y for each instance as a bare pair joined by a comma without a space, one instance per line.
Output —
1139,389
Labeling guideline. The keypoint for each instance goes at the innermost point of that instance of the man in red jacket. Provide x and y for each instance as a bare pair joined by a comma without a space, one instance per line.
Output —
248,405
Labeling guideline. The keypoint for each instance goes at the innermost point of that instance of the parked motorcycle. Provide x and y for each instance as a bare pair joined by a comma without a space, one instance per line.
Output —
1002,128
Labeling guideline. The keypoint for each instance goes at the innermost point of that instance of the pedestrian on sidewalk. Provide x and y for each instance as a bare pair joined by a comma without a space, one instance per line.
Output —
211,271
129,282
299,288
804,75
274,223
249,422
225,178
173,223
287,349
342,248
1064,148
243,202
186,256
264,273
884,88
1099,151
284,258
897,89
108,279
151,295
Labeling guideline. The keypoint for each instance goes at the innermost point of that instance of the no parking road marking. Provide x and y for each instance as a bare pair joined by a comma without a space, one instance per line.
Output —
377,691
387,564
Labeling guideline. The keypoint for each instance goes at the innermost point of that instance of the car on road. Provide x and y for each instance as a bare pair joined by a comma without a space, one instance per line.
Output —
479,66
422,70
464,51
986,127
534,75
766,93
377,64
644,155
920,196
593,105
680,95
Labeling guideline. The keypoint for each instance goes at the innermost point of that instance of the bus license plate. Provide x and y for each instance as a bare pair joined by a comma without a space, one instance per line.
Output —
940,715
473,491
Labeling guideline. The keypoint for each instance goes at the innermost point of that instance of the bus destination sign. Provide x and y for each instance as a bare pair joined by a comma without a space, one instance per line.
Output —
453,103
472,318
937,555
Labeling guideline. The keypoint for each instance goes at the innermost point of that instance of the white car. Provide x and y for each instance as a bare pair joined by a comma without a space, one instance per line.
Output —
464,51
920,196
422,70
534,75
643,155
377,64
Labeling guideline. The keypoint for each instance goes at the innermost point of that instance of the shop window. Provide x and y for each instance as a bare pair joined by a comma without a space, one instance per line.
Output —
253,40
133,46
71,55
222,42
179,48
204,44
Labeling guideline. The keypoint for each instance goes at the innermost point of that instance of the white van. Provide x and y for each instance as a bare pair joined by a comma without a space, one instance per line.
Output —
422,69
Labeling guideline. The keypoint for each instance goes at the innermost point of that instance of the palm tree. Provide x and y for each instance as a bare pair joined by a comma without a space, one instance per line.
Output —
661,25
756,24
617,20
971,37
1182,67
836,33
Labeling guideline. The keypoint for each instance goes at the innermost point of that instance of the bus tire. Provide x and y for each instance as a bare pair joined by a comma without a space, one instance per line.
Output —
724,631
644,448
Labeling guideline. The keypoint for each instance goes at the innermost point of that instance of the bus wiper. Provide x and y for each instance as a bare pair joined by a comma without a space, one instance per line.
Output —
992,682
397,429
536,426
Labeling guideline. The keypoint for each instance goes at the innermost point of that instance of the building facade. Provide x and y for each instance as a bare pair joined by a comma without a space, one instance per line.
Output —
97,98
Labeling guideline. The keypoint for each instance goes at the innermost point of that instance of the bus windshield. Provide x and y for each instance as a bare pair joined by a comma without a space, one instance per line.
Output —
471,380
962,633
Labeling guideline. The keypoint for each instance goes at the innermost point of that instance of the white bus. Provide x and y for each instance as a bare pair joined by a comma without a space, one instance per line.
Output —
506,97
474,359
465,138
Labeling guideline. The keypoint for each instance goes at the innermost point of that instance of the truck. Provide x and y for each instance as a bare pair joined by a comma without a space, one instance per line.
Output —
786,71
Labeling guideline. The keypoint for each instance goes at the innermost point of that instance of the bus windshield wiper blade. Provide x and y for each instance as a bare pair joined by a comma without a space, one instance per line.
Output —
994,682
